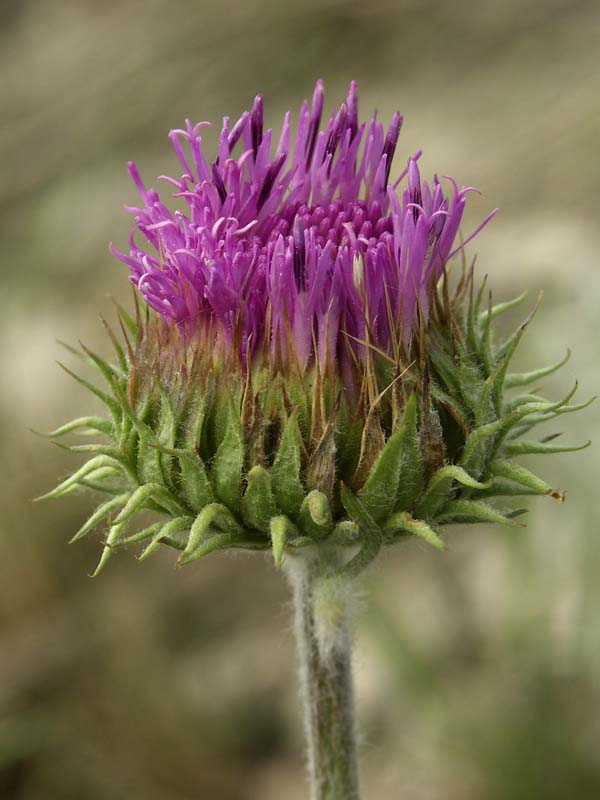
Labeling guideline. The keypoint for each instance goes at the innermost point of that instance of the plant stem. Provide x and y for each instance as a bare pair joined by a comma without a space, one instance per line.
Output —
323,640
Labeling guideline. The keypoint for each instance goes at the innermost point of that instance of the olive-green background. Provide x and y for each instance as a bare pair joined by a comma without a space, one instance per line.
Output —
477,670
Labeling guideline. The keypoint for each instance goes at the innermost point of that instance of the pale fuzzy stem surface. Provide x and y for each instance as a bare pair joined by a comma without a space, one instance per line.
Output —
323,637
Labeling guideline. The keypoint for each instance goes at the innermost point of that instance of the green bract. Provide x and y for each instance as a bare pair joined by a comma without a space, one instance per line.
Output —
259,458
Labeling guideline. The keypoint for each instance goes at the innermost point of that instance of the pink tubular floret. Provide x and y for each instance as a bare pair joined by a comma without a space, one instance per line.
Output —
309,250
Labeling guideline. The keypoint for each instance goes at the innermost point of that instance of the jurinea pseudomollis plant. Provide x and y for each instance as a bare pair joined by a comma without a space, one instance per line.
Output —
307,374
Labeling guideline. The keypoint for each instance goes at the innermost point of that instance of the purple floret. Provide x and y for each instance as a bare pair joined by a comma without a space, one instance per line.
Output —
307,251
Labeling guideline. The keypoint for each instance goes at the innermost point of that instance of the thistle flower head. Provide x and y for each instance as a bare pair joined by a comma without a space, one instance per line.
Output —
311,249
306,374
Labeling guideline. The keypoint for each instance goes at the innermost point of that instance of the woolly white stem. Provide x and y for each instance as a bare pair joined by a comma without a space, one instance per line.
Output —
323,636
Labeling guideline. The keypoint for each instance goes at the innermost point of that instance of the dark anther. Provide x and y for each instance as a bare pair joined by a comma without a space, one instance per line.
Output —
256,123
237,131
414,187
389,147
299,254
218,182
270,177
315,121
338,127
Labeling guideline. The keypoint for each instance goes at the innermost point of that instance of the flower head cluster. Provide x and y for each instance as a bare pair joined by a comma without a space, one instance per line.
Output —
278,397
306,246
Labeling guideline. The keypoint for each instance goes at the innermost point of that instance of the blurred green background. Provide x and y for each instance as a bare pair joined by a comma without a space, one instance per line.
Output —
477,670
